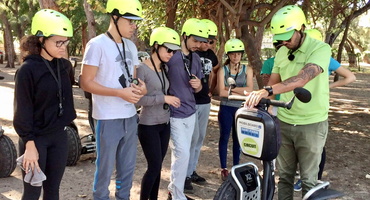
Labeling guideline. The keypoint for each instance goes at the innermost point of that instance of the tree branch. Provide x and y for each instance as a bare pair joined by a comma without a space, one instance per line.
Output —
227,5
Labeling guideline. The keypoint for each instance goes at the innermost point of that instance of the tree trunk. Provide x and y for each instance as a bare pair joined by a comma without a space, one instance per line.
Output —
49,4
352,58
84,37
9,46
342,44
253,51
91,25
171,8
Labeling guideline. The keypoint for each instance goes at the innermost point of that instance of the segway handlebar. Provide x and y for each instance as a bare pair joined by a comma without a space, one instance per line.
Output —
263,101
302,94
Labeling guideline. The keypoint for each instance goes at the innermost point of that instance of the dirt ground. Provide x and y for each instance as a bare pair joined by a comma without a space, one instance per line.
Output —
348,147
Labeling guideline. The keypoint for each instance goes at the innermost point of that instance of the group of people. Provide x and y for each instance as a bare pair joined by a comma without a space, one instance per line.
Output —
173,88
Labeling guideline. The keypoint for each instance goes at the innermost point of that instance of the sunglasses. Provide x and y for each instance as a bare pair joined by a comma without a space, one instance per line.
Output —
168,50
60,43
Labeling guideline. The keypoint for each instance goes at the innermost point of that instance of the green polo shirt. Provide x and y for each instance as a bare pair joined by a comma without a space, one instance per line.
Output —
311,51
267,69
267,66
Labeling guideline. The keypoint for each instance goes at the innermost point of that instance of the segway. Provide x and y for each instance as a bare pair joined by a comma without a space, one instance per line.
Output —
8,155
259,137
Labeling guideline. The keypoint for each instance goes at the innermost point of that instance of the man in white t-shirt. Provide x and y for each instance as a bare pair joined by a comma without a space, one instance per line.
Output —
108,73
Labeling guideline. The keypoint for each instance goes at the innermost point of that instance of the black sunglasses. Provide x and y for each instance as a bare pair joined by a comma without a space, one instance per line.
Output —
169,50
211,42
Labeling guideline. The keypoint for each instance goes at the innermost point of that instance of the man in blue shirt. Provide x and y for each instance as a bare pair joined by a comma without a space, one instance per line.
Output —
185,74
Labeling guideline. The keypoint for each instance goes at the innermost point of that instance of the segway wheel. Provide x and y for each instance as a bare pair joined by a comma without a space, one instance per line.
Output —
74,146
226,191
8,156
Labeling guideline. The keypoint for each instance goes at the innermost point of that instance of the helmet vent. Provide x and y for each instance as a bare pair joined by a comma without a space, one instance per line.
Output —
64,29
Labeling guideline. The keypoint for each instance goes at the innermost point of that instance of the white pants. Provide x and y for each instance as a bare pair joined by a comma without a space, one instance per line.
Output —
200,130
181,133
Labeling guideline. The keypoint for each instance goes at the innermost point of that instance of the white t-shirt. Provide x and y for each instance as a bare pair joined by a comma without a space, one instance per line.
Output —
102,52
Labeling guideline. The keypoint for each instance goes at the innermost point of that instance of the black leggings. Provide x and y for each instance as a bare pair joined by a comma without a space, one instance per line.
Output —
154,141
53,154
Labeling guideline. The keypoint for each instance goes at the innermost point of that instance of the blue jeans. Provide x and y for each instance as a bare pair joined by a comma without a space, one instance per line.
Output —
226,121
200,130
181,133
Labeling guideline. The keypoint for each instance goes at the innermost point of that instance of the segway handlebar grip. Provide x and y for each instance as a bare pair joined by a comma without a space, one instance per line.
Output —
237,97
275,103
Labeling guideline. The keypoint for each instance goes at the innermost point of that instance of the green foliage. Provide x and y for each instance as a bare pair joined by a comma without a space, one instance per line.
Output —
155,15
325,15
74,10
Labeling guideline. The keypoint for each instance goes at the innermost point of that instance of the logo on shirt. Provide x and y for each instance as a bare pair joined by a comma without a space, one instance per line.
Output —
206,65
128,59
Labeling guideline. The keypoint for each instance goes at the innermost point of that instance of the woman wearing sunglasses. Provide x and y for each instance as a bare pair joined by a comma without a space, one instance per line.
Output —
43,102
154,127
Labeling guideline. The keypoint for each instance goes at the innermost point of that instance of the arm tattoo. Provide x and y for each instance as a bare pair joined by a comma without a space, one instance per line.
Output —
308,72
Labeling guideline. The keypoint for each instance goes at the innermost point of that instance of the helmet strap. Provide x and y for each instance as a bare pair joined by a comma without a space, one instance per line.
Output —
43,46
116,23
185,37
156,49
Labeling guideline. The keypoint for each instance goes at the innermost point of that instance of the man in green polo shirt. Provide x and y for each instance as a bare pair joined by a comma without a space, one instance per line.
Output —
301,62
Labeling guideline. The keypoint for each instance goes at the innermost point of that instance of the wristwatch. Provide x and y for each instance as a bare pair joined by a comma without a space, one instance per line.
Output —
269,90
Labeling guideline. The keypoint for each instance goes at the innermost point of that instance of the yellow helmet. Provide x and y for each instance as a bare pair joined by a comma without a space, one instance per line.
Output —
196,28
234,45
286,20
212,28
129,9
47,22
165,36
314,33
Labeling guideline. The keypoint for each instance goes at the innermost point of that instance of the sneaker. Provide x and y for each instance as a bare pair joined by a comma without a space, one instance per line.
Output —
169,197
195,178
188,188
298,185
224,174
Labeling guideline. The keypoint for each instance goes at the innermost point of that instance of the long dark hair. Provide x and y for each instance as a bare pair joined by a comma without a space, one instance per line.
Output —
30,45
227,61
